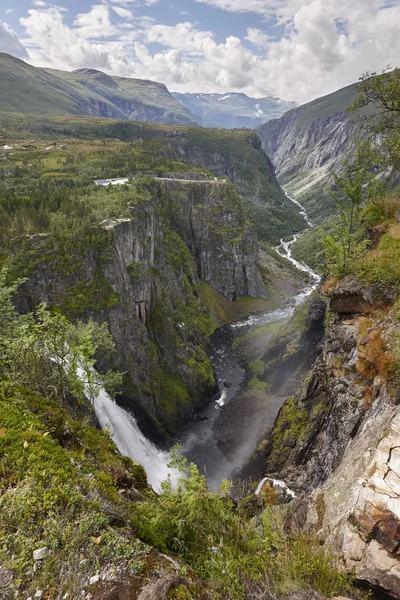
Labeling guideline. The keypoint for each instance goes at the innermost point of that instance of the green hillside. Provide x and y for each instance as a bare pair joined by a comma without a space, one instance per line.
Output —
30,90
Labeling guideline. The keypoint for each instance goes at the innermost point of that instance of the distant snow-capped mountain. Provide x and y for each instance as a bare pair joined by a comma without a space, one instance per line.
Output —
232,109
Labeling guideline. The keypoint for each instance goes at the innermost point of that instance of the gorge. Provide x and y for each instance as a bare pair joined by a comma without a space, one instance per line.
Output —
181,286
200,442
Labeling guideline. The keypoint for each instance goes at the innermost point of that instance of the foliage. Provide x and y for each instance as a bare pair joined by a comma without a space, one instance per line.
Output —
46,353
354,187
383,91
157,149
374,356
59,490
382,265
224,545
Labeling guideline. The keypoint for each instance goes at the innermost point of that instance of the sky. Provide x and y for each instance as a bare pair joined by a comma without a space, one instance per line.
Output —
293,49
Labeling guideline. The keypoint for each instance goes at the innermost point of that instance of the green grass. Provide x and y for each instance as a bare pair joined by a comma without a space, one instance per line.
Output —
382,266
62,495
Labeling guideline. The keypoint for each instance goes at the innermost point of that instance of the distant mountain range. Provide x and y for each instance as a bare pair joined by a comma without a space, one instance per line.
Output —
232,110
31,90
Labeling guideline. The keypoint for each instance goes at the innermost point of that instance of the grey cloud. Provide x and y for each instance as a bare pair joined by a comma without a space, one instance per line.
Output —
10,44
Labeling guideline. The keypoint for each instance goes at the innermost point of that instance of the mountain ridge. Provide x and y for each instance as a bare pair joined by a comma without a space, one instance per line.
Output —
87,92
309,142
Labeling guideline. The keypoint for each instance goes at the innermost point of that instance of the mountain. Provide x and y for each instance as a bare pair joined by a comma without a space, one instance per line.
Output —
31,90
232,110
309,142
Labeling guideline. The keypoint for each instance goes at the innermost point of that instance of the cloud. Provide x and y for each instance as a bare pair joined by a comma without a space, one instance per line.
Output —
260,7
183,36
322,45
136,2
257,37
123,12
10,44
54,44
95,23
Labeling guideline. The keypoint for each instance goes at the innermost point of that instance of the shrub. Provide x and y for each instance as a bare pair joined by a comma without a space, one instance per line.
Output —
227,546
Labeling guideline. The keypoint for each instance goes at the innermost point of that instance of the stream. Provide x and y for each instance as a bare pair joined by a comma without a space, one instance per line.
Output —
224,433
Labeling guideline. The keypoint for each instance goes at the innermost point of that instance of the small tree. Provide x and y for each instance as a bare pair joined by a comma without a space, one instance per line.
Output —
383,92
359,183
47,353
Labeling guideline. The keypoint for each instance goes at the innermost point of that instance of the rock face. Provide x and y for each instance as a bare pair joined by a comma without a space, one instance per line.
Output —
296,347
144,281
307,143
350,296
338,441
362,501
239,156
210,219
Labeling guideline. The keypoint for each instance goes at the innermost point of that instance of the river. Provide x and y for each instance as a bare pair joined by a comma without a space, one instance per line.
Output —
225,432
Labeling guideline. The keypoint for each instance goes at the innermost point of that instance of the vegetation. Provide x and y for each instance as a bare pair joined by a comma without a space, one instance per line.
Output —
86,92
354,187
240,555
383,92
239,156
46,353
65,488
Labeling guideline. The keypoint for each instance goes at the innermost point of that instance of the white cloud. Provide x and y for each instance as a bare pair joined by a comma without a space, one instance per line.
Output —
125,13
183,36
53,44
326,44
95,23
261,7
10,44
257,37
136,2
8,11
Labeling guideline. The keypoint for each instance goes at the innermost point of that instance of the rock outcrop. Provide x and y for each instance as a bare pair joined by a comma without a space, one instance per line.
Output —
144,281
337,441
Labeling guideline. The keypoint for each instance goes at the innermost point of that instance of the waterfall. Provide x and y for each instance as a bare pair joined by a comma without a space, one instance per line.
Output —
131,441
123,426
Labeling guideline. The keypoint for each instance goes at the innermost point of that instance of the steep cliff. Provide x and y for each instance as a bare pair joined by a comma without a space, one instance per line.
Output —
336,440
139,275
307,143
238,155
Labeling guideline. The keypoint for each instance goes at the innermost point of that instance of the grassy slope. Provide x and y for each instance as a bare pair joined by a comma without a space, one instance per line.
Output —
30,90
118,90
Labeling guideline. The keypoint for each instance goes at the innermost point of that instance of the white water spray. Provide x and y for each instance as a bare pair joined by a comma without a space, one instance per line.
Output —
130,440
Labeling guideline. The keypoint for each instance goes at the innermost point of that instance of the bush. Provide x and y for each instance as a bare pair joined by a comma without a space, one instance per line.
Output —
238,553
